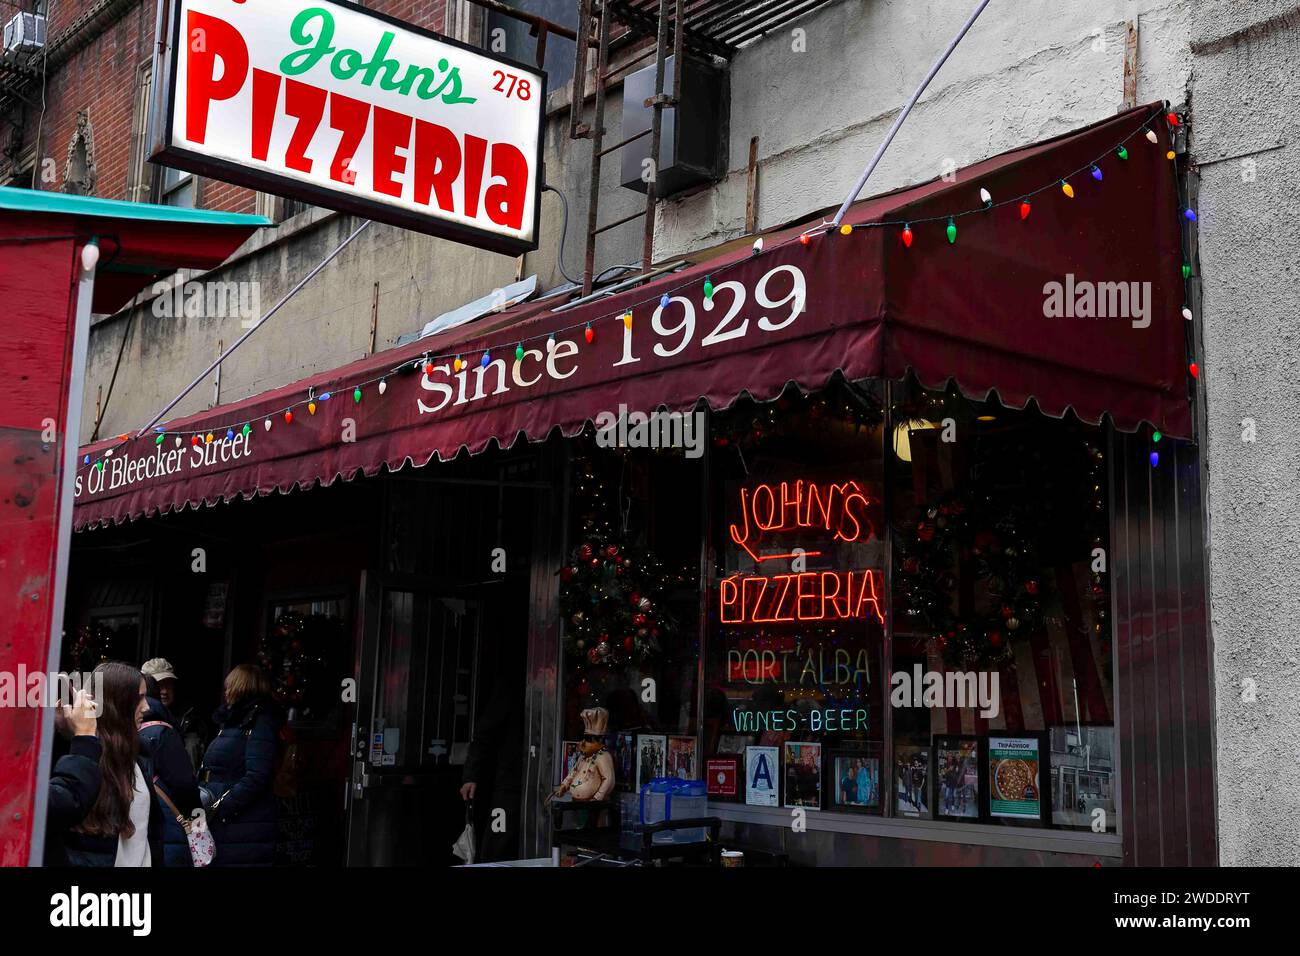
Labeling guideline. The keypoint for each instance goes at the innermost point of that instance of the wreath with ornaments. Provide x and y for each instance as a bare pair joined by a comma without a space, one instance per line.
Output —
612,597
950,539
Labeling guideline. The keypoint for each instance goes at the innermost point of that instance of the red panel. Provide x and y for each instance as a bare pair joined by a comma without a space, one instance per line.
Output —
36,285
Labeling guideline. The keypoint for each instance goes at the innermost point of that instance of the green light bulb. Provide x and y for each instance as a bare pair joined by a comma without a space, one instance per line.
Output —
356,395
952,231
708,288
1122,152
519,353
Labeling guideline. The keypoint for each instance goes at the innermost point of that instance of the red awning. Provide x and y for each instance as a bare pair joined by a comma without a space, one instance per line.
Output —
1022,304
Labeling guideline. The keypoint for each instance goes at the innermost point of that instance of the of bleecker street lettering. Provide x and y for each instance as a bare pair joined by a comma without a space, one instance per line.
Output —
121,471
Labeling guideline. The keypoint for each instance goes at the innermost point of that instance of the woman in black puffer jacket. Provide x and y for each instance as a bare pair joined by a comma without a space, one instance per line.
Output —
238,769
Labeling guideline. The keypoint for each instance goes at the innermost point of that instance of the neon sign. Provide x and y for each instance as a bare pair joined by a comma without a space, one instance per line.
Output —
807,596
840,508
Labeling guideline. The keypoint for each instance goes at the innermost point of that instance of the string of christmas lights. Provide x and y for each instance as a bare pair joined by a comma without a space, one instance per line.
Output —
663,298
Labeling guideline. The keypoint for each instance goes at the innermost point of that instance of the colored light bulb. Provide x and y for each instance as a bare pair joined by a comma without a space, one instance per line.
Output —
1156,436
708,287
311,408
846,229
1155,458
1122,153
288,417
159,439
805,239
907,235
1187,270
1024,209
246,429
486,360
985,197
1189,215
589,334
627,320
519,352
1151,136
1067,189
383,385
952,231
356,395
1096,172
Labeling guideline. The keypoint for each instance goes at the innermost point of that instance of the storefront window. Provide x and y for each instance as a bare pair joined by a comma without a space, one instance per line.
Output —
630,607
797,603
1001,693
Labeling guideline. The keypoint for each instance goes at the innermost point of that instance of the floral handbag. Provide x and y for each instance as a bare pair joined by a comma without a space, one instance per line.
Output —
203,849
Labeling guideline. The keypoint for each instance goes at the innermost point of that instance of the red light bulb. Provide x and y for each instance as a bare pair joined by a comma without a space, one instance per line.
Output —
907,236
1024,209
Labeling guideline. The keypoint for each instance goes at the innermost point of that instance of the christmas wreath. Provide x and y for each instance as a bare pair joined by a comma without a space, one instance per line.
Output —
612,597
946,538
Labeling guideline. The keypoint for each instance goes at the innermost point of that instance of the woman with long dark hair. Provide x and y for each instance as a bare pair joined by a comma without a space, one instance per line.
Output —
238,769
120,828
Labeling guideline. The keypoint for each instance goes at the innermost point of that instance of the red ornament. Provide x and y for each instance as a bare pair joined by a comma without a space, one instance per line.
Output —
584,688
585,552
995,638
290,681
595,562
1007,610
925,531
611,552
567,573
638,620
593,655
1024,209
628,644
1031,587
911,565
634,598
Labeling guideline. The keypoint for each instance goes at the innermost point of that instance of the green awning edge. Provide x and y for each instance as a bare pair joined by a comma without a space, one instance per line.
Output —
62,204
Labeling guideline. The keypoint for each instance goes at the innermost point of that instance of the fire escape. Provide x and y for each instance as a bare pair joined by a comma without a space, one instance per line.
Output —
676,29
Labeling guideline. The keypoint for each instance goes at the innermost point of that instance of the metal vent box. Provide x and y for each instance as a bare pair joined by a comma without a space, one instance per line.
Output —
693,151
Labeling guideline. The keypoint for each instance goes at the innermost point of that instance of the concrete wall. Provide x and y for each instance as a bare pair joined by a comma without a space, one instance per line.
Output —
1246,64
1029,70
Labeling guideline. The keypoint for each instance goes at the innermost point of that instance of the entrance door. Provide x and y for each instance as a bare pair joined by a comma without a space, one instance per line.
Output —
419,665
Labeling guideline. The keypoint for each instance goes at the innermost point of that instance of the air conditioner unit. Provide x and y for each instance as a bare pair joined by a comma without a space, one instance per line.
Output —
25,33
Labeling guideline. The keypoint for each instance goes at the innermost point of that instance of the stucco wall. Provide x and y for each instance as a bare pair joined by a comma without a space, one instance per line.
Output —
1247,78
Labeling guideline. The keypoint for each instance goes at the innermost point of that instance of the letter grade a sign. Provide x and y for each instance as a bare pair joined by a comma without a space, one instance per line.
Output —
345,108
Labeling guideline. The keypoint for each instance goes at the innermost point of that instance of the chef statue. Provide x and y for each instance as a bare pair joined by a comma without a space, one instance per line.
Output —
592,777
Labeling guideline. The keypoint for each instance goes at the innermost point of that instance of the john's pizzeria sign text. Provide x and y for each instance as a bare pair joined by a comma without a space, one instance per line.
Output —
115,472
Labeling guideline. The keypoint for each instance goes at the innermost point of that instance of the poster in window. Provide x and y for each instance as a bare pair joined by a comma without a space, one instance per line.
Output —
803,775
624,747
912,782
1014,787
681,758
722,774
571,753
1082,774
650,754
761,769
854,781
957,778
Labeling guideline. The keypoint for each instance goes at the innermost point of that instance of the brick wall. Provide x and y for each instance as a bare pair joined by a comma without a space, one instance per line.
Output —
101,78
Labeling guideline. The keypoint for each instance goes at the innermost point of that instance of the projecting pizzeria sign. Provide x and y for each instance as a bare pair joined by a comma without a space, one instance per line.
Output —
346,108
